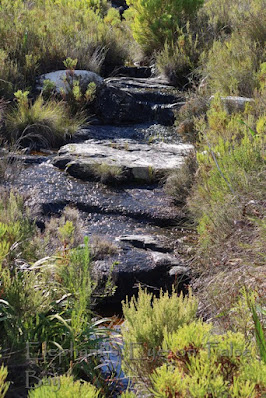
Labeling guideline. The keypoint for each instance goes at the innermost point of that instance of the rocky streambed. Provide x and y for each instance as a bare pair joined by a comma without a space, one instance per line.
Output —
132,211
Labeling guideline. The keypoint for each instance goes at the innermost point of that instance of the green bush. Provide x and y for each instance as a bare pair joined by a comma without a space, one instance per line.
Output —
201,364
78,98
156,22
41,124
147,319
246,17
226,201
128,394
47,302
231,167
16,229
64,387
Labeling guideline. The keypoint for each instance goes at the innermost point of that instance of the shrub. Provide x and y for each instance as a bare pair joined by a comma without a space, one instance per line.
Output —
147,319
26,300
128,394
246,16
231,66
100,248
41,124
230,168
47,303
105,173
201,364
16,229
156,22
228,206
108,174
178,59
64,387
61,233
4,385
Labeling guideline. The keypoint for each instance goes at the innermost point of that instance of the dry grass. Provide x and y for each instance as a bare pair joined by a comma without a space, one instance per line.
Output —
236,262
45,124
101,248
179,183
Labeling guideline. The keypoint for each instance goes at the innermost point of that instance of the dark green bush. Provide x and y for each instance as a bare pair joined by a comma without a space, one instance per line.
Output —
156,22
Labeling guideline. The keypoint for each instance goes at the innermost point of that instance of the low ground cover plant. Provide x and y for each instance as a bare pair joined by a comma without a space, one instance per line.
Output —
64,387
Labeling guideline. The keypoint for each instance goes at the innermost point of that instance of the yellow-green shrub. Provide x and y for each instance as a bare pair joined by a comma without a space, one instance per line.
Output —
4,385
201,364
231,66
64,387
35,38
16,229
231,167
177,58
147,319
244,16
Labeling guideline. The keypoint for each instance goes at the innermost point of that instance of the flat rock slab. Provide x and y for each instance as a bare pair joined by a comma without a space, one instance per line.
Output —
133,83
136,161
146,242
50,190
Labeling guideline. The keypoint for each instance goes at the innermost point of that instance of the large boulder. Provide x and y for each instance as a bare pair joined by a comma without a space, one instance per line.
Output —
62,78
143,265
115,106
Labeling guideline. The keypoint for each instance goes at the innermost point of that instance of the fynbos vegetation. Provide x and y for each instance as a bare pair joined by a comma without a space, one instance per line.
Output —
205,342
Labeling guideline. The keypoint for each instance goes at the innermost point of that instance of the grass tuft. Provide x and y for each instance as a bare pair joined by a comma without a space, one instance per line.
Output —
41,124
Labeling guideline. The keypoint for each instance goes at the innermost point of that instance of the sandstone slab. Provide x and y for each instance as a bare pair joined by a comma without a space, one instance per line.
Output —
128,160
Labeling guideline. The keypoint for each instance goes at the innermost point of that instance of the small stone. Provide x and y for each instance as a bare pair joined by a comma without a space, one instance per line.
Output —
179,270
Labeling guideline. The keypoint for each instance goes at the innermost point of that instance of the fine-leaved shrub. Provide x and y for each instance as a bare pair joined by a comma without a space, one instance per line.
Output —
47,32
231,66
180,181
64,387
147,319
178,58
200,363
4,385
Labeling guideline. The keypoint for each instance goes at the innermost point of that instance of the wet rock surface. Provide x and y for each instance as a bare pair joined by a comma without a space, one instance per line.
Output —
138,217
140,221
50,190
121,100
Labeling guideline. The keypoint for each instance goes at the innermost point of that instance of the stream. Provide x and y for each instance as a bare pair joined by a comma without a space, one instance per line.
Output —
136,216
